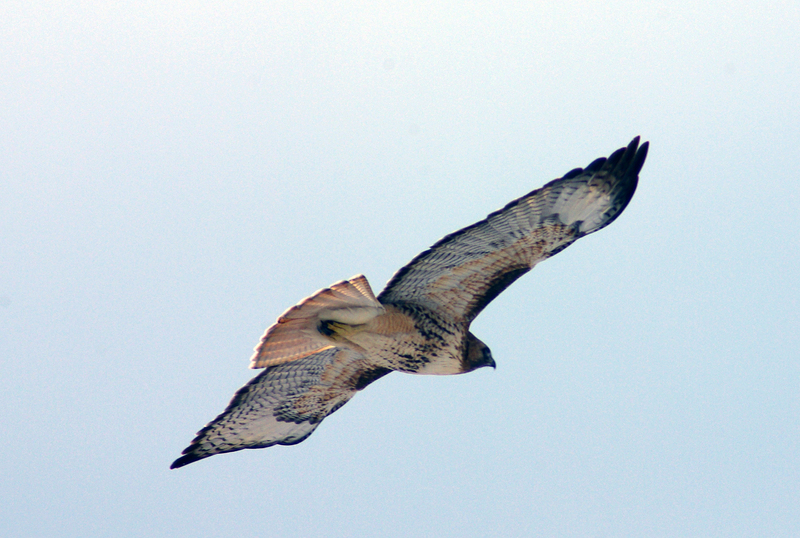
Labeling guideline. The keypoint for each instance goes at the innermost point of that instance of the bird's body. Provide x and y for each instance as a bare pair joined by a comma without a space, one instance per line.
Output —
340,339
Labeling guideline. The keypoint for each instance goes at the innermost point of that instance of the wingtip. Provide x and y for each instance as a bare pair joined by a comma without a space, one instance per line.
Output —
189,455
183,460
628,161
638,156
641,155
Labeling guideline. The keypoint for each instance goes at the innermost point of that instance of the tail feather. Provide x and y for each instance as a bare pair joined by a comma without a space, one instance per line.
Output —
296,334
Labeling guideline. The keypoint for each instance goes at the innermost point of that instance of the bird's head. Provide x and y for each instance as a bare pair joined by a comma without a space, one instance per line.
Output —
476,354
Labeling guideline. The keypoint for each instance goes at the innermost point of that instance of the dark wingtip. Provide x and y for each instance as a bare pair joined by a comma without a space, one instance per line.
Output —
641,155
625,164
185,460
629,160
622,167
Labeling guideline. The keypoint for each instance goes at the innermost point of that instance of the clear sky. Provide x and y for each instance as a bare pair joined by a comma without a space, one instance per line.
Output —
173,176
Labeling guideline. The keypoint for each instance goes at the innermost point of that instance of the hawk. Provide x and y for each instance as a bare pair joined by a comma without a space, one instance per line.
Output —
322,351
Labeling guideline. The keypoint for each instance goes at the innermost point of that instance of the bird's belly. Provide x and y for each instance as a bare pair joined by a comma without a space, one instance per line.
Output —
411,353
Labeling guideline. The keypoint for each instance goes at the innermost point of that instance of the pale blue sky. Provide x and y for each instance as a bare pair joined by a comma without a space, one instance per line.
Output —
173,177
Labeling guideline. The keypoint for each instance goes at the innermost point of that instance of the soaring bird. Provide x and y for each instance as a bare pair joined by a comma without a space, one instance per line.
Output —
322,351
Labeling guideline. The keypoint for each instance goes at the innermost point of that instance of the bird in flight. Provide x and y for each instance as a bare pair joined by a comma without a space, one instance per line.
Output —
340,339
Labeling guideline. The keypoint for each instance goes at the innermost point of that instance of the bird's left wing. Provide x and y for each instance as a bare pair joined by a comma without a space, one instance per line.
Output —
284,404
459,275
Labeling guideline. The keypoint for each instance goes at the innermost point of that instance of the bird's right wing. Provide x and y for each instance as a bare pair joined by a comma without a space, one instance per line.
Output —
459,275
284,404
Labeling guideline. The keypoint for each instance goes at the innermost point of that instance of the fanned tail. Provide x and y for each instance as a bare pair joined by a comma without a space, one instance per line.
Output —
297,334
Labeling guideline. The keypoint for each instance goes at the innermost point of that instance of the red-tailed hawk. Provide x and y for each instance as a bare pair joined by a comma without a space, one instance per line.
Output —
336,342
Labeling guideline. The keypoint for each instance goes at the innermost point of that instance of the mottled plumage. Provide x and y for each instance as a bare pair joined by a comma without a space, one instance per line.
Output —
339,340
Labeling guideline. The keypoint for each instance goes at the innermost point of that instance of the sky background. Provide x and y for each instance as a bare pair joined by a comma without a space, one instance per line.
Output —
173,176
